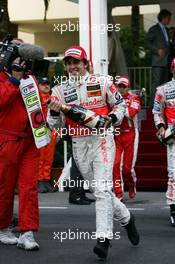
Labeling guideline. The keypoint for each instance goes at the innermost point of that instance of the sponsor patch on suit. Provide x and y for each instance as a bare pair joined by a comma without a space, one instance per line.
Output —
156,106
112,88
93,87
94,93
170,96
69,92
119,98
71,98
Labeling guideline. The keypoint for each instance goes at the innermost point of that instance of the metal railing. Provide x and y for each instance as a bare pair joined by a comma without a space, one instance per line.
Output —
141,77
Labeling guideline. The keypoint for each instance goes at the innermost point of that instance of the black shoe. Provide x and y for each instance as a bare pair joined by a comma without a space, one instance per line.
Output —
48,186
172,215
101,248
79,201
132,232
42,188
89,199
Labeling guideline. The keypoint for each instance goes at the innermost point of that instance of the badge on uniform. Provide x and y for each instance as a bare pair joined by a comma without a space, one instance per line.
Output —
94,90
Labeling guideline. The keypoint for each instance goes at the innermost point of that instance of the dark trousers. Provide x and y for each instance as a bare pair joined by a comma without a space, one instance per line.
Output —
76,182
160,75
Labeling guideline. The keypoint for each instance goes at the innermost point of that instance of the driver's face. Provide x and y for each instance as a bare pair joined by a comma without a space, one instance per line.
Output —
123,89
44,87
75,67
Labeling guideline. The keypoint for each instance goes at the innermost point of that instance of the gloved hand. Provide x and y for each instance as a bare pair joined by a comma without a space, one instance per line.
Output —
166,136
114,118
161,132
108,122
54,105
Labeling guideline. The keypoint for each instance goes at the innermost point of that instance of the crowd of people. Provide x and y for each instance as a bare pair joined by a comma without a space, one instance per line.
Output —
105,161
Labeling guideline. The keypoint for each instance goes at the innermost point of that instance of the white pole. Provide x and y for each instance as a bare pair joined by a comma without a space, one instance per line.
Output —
64,172
93,15
84,24
99,36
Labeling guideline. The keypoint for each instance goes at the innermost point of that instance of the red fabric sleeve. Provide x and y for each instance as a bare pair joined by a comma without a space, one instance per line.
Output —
134,106
8,93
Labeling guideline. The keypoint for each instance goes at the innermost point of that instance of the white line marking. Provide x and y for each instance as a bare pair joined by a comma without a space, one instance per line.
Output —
136,209
165,207
54,207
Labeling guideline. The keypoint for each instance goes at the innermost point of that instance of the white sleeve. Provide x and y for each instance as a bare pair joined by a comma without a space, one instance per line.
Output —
56,121
116,103
158,109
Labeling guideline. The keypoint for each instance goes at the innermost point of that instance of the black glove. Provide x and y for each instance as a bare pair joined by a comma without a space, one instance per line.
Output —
54,113
160,125
114,118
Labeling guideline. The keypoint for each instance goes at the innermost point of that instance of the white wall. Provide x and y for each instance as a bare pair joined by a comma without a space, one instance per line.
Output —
126,10
149,20
53,42
23,10
27,37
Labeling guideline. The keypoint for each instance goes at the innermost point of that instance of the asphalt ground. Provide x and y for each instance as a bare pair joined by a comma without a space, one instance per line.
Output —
58,219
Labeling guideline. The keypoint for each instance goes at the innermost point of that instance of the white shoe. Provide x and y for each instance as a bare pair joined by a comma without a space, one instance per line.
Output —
7,237
27,241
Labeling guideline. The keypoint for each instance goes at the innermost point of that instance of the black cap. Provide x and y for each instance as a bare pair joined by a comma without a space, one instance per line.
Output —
43,80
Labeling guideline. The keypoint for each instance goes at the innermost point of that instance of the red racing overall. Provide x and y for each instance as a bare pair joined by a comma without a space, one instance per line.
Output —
47,152
18,158
126,147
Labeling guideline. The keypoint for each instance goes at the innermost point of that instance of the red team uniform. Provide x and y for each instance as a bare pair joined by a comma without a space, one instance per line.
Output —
47,152
126,147
19,158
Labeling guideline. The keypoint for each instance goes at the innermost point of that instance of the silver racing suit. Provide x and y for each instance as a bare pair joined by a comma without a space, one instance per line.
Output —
164,113
94,153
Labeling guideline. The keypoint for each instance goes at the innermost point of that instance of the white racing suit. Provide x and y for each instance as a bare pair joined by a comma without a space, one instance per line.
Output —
164,113
94,154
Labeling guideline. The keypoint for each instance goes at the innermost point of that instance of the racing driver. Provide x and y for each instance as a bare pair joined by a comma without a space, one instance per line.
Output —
94,154
164,115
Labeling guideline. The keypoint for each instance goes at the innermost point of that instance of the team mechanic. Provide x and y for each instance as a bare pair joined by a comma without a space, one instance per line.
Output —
164,114
18,159
127,142
93,154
